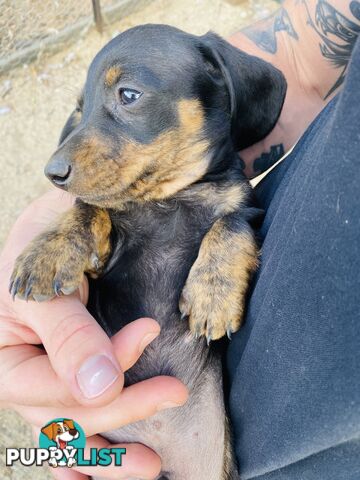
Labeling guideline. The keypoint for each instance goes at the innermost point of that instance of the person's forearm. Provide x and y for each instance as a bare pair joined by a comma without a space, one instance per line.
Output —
311,42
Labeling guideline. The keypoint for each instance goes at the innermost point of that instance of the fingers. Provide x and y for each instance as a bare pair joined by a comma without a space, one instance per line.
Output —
79,350
28,378
67,474
138,402
35,218
81,353
138,462
135,403
131,341
81,366
61,473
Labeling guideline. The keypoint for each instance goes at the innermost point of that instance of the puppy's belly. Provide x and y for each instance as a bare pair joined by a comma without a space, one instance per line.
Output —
188,439
147,280
191,440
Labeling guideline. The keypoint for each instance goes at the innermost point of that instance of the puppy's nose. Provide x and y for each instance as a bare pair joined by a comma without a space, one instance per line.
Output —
58,170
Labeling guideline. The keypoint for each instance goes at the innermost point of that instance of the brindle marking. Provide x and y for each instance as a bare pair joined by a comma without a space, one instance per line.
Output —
163,204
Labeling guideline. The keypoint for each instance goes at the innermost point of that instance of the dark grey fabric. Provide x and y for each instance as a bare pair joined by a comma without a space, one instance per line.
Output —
295,365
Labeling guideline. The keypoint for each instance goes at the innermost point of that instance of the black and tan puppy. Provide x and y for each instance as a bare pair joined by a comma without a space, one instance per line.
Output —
161,223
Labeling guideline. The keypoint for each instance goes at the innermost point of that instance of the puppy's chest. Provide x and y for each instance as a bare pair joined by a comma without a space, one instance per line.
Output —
153,249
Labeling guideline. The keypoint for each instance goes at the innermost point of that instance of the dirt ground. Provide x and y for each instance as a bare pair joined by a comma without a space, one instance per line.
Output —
34,103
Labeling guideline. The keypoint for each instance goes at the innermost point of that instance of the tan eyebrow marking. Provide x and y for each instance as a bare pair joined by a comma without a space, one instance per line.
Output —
112,76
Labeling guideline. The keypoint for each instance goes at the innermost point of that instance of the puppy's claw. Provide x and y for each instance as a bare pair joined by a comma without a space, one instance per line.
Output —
28,290
208,339
184,316
229,333
15,288
95,262
57,288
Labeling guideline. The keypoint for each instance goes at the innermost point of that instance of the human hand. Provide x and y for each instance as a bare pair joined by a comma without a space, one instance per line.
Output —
55,383
135,403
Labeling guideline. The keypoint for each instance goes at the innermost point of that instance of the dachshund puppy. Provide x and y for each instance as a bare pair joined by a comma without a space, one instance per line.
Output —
161,221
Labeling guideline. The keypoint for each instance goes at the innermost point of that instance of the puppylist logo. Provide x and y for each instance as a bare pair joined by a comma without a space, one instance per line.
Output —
62,444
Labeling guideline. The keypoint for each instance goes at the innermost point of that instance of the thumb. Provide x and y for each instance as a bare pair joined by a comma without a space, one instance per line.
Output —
79,350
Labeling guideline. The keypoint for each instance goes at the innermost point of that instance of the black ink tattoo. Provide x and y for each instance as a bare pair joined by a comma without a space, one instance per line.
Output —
338,35
267,159
264,35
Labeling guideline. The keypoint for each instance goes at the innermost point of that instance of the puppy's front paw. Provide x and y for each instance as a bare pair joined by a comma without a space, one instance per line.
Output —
51,265
213,300
214,294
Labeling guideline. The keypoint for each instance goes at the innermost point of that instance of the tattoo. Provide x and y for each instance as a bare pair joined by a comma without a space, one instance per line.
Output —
338,35
267,159
264,35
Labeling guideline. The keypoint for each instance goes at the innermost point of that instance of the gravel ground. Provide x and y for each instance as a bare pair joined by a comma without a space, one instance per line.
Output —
34,103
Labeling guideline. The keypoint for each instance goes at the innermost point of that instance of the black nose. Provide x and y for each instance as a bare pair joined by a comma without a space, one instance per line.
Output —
58,171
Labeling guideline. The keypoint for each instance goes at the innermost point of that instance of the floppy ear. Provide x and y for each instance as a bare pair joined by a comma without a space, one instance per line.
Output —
70,424
256,89
48,431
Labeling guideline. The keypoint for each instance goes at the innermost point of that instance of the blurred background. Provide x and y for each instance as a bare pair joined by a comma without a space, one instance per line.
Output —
45,49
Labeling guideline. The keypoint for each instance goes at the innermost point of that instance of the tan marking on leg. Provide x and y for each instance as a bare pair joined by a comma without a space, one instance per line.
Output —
214,293
56,260
100,229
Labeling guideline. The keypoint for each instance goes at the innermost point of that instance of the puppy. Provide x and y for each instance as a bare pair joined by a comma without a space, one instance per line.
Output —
162,219
61,433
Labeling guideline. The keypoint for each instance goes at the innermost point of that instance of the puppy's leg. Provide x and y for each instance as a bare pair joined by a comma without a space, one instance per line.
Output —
55,261
214,294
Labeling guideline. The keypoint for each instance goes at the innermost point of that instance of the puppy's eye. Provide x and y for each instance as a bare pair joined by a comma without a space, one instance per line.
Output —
128,95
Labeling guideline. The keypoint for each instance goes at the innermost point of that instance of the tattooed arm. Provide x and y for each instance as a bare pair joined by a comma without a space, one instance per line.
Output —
311,42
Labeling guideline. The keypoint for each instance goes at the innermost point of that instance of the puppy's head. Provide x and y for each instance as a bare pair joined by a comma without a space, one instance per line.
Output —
64,430
157,105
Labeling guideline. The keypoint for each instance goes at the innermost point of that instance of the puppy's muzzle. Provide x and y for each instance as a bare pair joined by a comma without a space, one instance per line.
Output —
58,170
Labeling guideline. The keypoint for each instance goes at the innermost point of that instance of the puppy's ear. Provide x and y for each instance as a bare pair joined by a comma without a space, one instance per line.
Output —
70,424
255,88
49,431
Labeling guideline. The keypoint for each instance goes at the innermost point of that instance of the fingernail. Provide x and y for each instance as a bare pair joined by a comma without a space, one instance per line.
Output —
169,404
96,375
146,340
